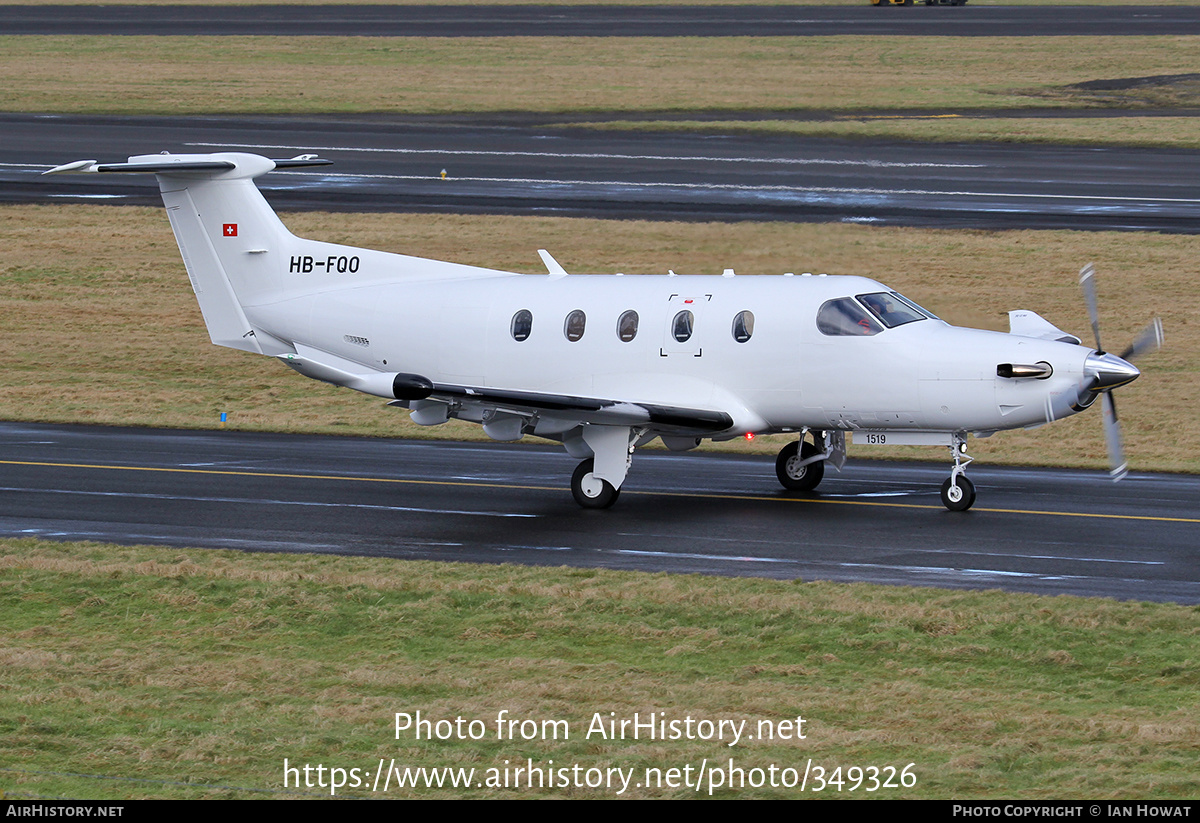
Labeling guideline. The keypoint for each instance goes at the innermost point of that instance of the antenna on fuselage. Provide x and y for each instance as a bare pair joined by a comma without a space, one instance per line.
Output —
551,264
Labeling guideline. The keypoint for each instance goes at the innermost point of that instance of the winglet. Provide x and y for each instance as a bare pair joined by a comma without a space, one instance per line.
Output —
551,264
78,167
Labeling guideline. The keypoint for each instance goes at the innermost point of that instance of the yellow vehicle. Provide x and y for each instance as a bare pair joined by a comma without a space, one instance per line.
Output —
912,2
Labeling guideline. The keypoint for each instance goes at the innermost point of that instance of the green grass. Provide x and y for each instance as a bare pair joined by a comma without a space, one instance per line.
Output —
200,671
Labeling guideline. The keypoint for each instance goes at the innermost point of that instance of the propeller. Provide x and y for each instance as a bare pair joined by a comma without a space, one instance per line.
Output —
1108,371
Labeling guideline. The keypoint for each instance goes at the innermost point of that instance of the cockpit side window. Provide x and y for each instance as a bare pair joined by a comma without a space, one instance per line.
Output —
891,309
844,317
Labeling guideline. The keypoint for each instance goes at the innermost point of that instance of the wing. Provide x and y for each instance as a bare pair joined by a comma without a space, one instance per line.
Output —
547,412
602,411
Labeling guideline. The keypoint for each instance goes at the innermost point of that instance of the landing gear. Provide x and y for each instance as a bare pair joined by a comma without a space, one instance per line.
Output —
958,495
589,491
958,492
796,467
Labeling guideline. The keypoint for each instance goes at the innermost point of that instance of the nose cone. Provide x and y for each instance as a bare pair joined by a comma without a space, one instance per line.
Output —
1109,371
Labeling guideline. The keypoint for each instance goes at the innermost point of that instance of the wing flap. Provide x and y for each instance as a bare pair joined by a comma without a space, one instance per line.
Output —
663,418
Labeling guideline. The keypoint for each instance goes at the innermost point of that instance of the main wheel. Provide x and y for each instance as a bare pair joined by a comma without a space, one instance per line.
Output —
590,491
960,497
796,477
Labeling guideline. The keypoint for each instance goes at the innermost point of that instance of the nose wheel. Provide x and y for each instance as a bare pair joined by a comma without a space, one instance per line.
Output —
958,495
958,492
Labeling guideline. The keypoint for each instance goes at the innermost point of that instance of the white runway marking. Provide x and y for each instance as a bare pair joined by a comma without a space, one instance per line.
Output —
1045,557
641,184
693,556
259,502
883,164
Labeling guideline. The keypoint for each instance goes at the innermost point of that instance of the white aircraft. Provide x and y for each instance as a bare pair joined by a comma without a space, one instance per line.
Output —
606,363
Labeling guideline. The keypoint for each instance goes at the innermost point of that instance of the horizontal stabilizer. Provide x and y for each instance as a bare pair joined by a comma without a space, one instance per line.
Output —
188,164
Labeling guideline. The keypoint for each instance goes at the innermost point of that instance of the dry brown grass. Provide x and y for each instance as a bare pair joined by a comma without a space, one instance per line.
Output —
100,325
166,75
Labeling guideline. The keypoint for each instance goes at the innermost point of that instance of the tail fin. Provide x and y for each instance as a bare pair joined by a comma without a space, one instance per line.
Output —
234,246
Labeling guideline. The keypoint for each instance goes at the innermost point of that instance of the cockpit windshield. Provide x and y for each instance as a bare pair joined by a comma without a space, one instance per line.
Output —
892,309
868,314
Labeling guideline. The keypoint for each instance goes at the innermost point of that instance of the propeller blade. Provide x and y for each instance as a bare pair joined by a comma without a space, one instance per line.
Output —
1112,436
1150,340
1087,280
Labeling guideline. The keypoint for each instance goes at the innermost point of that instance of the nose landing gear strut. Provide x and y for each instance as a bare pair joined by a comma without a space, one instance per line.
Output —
958,492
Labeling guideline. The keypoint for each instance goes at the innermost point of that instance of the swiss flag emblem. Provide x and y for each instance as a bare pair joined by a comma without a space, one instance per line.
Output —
229,229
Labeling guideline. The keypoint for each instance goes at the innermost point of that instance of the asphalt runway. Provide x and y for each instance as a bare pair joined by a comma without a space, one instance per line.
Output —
1046,531
516,167
602,20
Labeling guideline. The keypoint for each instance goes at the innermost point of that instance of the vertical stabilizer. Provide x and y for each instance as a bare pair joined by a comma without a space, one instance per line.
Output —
234,246
230,238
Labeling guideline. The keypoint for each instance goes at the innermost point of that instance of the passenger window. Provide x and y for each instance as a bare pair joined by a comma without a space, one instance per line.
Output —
843,317
681,326
627,326
573,328
743,326
522,325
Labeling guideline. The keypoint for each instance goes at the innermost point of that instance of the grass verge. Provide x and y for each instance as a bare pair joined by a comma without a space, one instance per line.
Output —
101,325
203,75
193,674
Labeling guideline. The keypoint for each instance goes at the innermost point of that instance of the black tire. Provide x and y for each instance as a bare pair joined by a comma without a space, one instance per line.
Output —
965,494
607,495
804,478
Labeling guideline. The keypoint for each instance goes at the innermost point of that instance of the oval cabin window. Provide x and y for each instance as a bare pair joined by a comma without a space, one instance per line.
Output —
627,326
573,328
522,325
681,326
743,326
